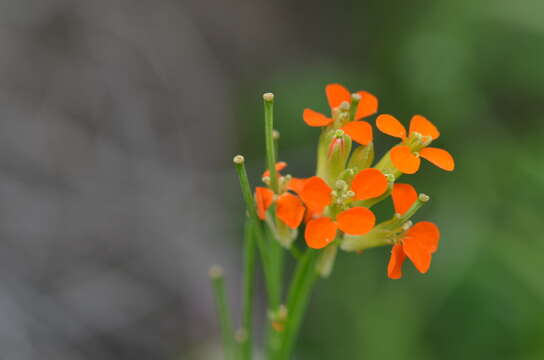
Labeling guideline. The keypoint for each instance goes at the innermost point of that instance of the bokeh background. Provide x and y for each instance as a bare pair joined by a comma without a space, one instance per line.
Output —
118,122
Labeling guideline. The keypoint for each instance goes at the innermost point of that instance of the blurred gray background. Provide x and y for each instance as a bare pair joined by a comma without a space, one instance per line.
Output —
118,123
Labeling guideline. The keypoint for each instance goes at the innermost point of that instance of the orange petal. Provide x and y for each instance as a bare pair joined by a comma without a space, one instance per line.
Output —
423,126
290,210
320,232
394,268
419,255
316,194
310,215
404,160
404,196
425,234
297,184
356,221
280,165
389,125
263,198
313,118
336,94
359,131
369,183
439,157
368,105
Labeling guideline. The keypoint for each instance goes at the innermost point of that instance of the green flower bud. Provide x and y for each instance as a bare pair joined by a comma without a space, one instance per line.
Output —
284,234
362,157
332,154
326,260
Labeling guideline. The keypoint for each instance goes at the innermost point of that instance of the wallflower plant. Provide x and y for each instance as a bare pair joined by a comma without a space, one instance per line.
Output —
333,211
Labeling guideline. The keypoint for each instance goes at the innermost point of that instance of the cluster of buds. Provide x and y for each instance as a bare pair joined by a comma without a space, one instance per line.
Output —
335,204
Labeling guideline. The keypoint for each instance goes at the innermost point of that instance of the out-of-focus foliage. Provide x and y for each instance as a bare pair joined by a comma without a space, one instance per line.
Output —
475,69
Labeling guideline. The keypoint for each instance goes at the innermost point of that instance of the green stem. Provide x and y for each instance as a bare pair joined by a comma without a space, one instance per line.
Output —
274,297
225,322
355,98
267,259
269,139
252,212
297,300
248,285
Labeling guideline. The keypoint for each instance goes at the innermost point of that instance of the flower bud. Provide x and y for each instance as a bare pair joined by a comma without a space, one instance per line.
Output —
362,157
332,154
284,234
326,260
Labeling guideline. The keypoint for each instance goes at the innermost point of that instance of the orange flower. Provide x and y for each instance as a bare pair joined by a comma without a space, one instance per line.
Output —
358,220
359,131
418,243
402,155
280,165
289,208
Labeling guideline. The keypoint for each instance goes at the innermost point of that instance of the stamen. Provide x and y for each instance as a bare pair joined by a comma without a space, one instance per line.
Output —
390,177
340,184
355,97
344,106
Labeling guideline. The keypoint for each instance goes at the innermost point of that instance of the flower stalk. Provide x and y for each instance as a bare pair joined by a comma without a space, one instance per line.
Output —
225,320
334,207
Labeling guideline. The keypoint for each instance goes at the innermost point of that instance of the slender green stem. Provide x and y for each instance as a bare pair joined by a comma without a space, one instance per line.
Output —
274,298
225,320
244,186
269,139
297,300
248,285
263,246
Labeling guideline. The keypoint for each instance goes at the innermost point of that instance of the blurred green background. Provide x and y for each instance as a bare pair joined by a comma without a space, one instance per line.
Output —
476,69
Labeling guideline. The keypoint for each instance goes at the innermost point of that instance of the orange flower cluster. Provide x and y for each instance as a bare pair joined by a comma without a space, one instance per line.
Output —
335,204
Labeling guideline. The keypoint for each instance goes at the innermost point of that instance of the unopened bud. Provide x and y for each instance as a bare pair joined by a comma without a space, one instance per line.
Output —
268,97
407,225
238,159
275,134
355,97
350,194
339,133
241,335
266,180
424,197
282,312
344,106
215,272
325,262
362,157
